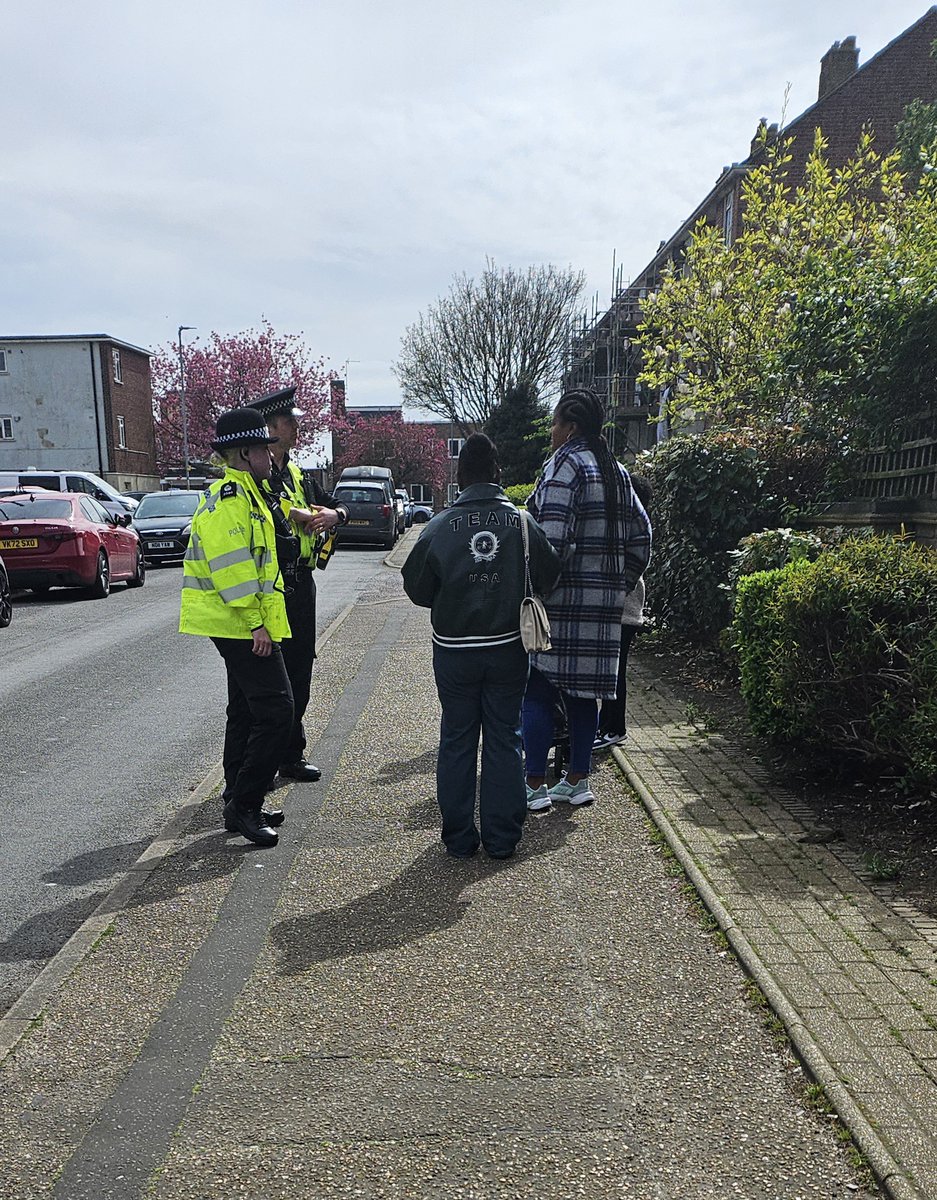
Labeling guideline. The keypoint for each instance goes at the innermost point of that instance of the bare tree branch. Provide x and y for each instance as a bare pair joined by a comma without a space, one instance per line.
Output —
469,349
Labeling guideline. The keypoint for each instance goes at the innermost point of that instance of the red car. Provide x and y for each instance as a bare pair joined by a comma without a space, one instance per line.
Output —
66,539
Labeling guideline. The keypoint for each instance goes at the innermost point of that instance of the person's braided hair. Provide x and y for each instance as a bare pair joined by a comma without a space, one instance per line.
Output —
582,407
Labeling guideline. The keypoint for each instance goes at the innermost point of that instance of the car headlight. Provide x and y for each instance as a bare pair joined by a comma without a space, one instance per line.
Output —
187,530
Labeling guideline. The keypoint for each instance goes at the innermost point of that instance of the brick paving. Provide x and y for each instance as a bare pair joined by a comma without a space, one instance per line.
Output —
854,968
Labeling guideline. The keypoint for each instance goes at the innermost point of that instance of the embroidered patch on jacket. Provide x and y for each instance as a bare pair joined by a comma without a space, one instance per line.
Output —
484,546
228,489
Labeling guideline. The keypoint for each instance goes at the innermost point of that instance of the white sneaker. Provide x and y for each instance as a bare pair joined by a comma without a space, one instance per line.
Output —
571,793
538,799
605,741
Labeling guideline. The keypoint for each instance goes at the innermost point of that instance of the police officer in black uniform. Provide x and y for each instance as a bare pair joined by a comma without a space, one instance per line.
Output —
300,490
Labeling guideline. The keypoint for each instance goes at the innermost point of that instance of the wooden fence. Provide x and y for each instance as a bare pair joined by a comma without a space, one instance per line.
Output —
906,470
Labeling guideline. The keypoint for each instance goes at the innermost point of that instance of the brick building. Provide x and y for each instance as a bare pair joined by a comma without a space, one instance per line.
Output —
602,354
81,402
447,431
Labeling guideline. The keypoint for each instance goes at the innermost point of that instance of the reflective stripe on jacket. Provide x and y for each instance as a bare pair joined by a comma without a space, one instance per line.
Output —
231,581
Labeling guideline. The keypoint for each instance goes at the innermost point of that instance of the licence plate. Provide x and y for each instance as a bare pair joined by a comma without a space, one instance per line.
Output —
359,522
18,543
162,545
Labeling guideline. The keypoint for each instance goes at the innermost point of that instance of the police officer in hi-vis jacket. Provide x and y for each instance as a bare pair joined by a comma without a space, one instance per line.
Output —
296,491
232,592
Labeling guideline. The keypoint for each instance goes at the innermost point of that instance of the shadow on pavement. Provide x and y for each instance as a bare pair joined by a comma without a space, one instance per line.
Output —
96,864
45,933
406,768
424,898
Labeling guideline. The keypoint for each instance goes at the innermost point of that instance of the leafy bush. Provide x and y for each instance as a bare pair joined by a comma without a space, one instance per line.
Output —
709,491
840,654
519,492
769,550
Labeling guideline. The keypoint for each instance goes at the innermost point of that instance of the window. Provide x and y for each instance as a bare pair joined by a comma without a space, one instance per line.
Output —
420,493
75,483
118,376
3,362
455,445
453,493
121,433
6,429
33,507
727,219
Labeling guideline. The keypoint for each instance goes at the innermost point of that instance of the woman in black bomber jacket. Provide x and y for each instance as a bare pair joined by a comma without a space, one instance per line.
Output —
468,569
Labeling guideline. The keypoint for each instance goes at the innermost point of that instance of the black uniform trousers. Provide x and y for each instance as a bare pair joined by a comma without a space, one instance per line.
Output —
260,715
299,653
612,712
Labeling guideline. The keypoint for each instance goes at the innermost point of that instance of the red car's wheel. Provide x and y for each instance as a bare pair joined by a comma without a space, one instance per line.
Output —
138,578
101,588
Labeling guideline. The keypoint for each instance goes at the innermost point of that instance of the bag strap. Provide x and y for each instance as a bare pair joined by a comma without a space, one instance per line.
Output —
526,538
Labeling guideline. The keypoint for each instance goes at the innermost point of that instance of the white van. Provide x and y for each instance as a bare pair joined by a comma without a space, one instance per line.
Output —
71,481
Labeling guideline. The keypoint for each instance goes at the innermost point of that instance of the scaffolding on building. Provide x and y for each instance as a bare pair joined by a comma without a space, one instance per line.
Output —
602,355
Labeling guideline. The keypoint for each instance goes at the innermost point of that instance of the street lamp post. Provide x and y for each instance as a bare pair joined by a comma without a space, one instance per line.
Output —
182,407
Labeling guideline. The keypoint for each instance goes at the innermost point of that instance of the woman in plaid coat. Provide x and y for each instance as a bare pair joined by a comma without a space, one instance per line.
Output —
586,506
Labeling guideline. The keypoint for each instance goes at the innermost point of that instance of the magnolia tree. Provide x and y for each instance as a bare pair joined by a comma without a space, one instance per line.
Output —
415,453
228,372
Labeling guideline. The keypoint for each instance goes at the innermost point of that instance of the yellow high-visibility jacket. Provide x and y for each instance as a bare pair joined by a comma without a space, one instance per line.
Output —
231,581
295,497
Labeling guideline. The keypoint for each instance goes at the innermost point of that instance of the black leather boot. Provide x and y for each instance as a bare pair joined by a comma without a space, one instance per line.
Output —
303,771
271,816
250,824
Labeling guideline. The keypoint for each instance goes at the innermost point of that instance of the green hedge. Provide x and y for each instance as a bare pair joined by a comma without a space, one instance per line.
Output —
710,490
517,493
840,654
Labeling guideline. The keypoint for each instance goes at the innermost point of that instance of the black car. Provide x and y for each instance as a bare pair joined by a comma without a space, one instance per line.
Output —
163,521
6,602
372,517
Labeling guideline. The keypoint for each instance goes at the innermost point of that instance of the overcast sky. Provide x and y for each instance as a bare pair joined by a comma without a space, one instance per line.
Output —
331,164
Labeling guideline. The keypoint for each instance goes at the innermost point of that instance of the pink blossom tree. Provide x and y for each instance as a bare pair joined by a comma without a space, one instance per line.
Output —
414,452
227,372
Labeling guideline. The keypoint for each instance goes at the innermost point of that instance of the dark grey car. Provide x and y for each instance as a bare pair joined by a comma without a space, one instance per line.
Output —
370,517
163,521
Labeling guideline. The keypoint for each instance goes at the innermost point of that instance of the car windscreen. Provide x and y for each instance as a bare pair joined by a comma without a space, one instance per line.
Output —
183,505
360,495
27,509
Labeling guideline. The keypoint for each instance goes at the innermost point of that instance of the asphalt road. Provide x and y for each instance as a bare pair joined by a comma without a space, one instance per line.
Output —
108,719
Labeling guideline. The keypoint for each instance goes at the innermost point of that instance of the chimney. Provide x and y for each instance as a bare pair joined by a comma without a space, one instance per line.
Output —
836,66
765,136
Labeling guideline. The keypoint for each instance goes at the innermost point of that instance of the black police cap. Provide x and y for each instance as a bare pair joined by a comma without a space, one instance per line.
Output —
241,427
274,404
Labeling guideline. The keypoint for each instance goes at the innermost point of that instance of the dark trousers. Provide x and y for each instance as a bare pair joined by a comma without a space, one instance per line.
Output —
481,692
260,711
299,653
612,713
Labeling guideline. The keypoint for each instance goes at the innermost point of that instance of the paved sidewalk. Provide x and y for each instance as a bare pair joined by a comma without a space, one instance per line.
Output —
850,968
353,1014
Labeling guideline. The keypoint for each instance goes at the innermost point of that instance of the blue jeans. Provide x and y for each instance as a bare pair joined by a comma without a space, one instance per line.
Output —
481,692
540,726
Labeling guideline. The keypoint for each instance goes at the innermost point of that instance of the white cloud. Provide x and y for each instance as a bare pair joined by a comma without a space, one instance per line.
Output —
332,165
